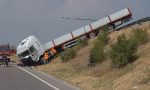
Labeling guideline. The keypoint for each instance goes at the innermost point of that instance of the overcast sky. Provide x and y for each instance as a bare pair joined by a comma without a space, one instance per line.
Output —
42,18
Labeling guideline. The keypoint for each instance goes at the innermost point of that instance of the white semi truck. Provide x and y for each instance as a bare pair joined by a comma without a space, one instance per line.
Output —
31,51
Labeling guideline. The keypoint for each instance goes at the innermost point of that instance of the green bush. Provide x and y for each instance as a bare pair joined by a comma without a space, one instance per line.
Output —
81,44
97,54
140,36
103,38
68,54
123,51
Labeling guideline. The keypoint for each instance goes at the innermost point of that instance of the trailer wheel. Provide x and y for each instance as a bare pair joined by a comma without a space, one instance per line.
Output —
83,37
99,32
92,35
111,27
126,20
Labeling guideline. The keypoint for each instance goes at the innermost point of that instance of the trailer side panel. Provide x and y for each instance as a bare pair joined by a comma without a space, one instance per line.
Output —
100,23
63,39
118,15
48,45
78,32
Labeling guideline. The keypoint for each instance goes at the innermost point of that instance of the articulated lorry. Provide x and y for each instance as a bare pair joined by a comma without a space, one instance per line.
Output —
30,51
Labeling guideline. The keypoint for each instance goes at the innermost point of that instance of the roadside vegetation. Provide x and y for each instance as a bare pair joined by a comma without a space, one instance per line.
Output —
70,53
140,36
125,63
124,50
97,54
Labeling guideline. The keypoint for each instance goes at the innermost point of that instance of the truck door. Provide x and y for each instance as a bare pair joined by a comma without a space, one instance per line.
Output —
34,53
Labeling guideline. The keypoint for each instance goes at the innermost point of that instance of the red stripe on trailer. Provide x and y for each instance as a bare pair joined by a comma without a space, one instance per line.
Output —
54,43
90,27
129,11
110,19
72,35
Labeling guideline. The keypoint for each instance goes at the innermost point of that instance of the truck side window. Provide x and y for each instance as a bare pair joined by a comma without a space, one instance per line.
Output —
38,44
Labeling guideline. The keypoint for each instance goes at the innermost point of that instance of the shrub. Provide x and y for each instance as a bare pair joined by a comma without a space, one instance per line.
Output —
97,54
83,42
123,51
103,38
140,36
68,54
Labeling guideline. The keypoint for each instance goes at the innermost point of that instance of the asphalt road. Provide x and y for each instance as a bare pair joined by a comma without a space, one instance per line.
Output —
25,78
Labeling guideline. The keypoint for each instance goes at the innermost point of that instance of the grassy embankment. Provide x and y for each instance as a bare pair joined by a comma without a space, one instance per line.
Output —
135,76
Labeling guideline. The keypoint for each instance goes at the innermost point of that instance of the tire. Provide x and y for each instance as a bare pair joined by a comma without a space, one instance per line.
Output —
92,35
42,61
126,20
99,32
111,28
83,37
24,63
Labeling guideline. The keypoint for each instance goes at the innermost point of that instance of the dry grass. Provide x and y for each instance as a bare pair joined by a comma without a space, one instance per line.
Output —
134,76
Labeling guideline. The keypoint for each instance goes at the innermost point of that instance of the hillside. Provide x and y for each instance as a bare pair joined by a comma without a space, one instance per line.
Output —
135,76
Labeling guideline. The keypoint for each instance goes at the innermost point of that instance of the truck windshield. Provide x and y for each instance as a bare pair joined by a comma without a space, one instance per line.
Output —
25,53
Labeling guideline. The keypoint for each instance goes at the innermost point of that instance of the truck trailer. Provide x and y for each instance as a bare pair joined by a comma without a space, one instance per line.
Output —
31,52
7,49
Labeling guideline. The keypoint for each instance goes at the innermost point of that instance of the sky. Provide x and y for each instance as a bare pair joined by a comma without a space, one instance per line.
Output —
42,18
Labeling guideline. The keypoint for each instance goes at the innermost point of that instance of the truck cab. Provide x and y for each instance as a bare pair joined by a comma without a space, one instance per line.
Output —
30,50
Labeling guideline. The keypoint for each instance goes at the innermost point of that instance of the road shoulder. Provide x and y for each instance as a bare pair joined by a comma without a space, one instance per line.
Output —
50,79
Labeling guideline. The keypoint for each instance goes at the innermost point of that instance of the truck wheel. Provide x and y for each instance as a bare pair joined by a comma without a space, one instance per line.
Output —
92,35
42,61
24,63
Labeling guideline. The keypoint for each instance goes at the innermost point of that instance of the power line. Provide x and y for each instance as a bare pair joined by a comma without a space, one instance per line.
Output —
79,19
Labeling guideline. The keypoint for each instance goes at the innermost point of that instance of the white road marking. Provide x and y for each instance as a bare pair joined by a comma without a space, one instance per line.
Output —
38,78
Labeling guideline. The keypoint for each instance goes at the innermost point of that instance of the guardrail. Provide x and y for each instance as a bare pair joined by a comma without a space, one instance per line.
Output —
135,22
